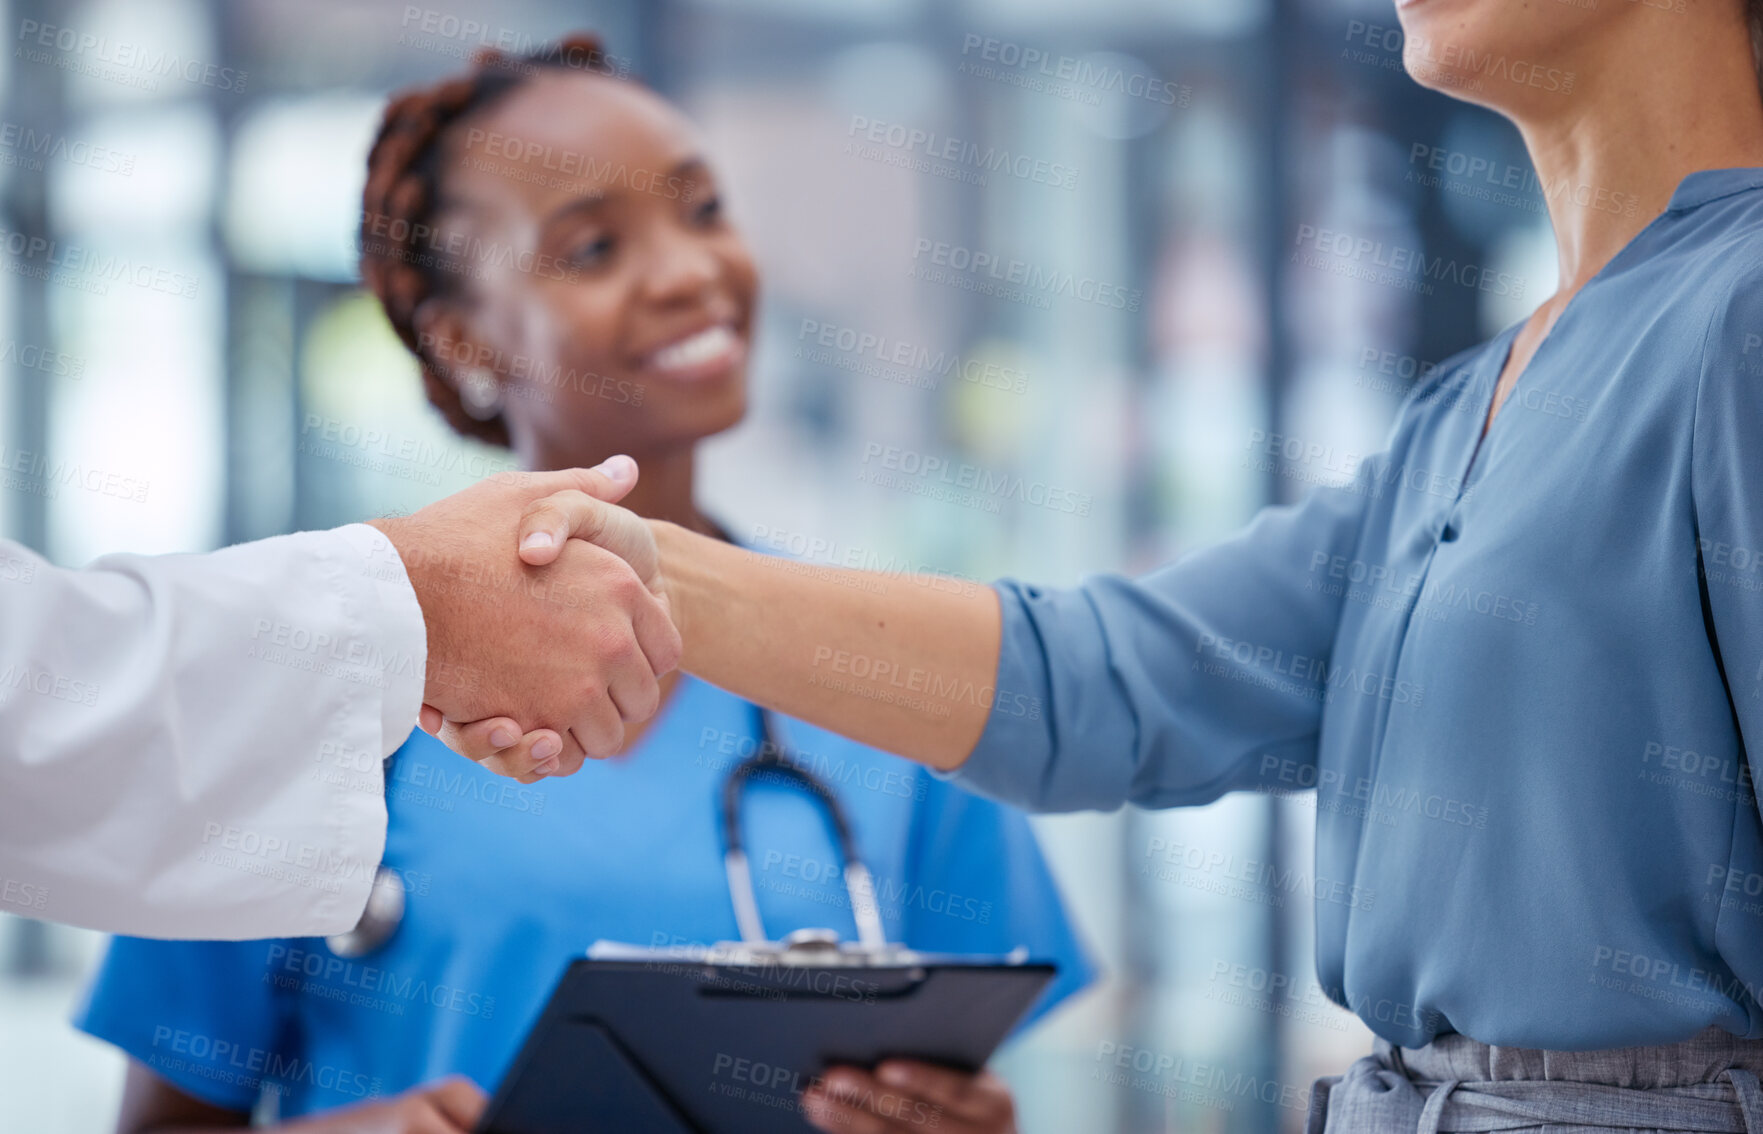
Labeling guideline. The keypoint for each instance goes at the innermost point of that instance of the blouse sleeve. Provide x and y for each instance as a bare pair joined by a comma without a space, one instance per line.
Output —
1176,687
1726,481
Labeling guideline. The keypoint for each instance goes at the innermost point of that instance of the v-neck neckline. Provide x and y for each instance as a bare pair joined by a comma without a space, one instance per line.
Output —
1484,429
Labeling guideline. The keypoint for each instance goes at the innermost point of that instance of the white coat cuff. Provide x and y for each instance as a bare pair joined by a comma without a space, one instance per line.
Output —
404,635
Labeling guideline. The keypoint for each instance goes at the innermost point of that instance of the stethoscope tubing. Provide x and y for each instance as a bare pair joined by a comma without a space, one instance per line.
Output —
773,761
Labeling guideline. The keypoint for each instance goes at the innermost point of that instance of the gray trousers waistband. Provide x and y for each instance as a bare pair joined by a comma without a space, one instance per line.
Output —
1705,1085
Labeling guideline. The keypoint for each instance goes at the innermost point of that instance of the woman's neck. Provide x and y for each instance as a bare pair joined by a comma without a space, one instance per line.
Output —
1647,111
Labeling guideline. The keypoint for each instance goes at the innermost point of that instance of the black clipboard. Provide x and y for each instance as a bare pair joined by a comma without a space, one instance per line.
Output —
676,1046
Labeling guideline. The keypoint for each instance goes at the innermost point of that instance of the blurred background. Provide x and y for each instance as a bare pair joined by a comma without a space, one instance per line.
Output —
1242,188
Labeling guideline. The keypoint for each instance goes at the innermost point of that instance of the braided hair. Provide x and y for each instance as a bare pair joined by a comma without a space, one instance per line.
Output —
400,263
1754,18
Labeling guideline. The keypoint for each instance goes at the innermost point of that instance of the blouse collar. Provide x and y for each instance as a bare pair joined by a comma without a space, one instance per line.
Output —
1706,185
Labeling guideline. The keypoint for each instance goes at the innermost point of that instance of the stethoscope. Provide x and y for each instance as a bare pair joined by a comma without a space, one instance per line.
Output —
771,763
381,918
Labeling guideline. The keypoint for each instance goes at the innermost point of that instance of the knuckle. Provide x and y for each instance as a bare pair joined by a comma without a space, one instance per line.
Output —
615,648
648,699
627,588
664,649
673,649
605,730
627,653
576,505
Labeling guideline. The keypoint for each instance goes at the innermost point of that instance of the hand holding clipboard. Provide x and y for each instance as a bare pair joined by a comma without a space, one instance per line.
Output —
725,1041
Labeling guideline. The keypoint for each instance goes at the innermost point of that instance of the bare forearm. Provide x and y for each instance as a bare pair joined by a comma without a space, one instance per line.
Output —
904,663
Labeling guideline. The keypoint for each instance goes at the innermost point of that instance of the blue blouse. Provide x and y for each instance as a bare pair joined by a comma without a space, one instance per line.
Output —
1516,684
505,884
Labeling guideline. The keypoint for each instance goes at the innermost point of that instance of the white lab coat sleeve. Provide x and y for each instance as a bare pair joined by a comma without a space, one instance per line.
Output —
190,745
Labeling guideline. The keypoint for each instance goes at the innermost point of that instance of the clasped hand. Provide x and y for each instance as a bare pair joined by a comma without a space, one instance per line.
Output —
572,642
579,527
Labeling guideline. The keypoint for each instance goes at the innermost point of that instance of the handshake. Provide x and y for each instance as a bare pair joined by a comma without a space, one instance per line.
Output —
570,637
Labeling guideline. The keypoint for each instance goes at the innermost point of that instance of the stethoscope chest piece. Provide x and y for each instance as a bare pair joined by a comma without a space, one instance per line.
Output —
381,918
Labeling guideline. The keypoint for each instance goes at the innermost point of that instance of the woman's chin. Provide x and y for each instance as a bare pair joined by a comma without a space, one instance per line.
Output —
711,411
731,410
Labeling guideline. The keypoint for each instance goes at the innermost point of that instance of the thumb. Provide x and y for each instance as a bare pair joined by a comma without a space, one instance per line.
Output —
570,514
611,481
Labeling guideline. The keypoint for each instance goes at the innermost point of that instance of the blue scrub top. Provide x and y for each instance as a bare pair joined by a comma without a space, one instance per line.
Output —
1519,685
506,883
